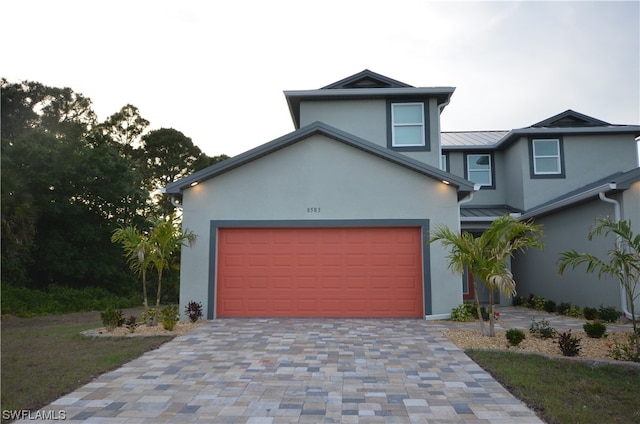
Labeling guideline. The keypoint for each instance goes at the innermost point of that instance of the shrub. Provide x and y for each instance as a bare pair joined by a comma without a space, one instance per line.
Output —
569,344
515,336
112,318
518,301
608,313
542,329
169,316
594,329
152,313
538,303
24,302
563,307
590,313
626,351
194,311
574,311
550,306
131,323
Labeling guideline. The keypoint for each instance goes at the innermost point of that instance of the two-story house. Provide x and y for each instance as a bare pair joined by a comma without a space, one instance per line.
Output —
332,219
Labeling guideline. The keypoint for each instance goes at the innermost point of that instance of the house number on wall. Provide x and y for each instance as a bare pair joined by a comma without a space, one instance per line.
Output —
313,210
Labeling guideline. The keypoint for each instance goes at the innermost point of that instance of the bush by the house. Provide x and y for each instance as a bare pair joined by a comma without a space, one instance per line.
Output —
594,329
542,329
569,344
574,311
550,306
563,307
194,311
590,313
608,313
515,336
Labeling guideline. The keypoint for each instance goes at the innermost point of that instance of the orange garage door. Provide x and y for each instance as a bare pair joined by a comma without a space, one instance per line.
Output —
319,272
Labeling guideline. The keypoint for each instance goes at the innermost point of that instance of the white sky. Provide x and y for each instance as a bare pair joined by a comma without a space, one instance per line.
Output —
216,70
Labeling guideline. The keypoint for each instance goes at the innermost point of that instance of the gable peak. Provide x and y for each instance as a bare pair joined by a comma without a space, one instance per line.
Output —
366,79
570,118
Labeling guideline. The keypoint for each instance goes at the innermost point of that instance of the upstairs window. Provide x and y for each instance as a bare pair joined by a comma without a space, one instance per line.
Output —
546,157
407,125
479,169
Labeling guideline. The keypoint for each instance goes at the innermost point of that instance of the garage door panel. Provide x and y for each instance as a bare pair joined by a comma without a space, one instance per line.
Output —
318,272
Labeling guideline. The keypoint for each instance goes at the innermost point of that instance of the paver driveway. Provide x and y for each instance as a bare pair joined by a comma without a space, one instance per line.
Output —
300,370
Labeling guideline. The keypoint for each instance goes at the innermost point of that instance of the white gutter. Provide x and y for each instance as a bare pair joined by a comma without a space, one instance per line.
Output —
617,218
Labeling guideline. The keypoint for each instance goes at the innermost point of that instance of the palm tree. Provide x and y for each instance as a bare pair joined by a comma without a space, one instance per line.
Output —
624,261
486,257
137,248
166,240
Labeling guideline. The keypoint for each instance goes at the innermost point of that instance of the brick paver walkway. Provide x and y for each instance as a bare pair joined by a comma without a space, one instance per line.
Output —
299,371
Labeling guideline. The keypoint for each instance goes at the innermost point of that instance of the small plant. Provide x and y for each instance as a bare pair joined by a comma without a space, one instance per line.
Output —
112,318
574,311
515,336
569,344
169,316
194,311
563,307
594,329
538,303
144,317
550,306
131,323
542,329
531,303
608,313
626,351
590,313
518,301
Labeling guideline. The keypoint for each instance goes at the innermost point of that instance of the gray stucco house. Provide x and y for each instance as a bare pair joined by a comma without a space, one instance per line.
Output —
332,219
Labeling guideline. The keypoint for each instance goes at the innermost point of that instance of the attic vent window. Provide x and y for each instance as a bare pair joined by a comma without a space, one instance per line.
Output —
407,124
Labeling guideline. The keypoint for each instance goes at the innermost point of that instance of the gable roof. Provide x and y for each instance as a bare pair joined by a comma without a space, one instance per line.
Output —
464,187
364,85
616,182
568,122
366,79
571,118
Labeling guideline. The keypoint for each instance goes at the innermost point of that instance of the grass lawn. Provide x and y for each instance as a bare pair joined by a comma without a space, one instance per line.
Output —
44,358
566,391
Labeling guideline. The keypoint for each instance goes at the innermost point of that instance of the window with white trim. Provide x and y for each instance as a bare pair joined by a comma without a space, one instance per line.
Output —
479,169
407,124
546,157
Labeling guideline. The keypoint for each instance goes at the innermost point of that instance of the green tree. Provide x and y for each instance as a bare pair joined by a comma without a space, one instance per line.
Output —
622,263
124,129
62,194
137,249
167,155
166,239
486,257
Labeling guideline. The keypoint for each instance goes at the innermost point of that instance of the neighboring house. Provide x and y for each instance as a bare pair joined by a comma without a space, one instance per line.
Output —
332,220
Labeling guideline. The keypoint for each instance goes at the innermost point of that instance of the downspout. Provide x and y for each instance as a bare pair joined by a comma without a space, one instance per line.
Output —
175,203
616,217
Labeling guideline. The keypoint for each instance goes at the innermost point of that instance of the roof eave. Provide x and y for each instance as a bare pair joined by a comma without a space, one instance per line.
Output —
462,186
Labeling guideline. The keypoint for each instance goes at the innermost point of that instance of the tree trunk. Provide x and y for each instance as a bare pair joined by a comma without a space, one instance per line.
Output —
483,328
155,316
492,329
145,299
